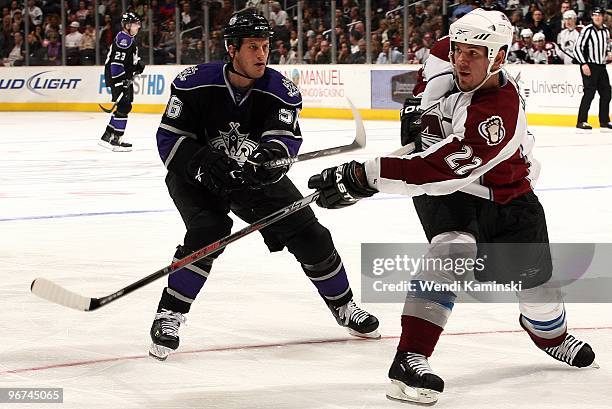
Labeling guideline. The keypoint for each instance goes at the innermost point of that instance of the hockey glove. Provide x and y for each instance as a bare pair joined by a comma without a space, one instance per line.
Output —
410,118
139,68
215,171
341,186
255,174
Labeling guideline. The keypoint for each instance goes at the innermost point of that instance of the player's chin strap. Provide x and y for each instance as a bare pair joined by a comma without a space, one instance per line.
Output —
486,78
230,67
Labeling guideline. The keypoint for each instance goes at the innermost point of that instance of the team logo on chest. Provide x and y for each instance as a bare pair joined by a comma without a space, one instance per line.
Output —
234,144
492,129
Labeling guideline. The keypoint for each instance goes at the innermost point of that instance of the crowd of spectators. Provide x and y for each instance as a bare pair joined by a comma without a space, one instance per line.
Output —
425,25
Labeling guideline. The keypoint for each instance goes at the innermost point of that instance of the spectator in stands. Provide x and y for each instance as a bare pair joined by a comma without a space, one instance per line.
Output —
278,15
52,25
87,47
106,36
138,8
539,26
16,55
556,22
360,57
344,54
37,52
461,9
167,10
422,53
324,54
188,53
420,17
14,9
6,39
54,49
35,13
72,41
82,13
168,41
287,55
188,17
389,55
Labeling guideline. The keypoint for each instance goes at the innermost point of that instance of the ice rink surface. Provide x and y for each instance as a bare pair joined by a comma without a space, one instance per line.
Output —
258,336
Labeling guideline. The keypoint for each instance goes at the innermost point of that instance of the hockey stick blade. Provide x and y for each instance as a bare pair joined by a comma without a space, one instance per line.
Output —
108,111
358,143
50,291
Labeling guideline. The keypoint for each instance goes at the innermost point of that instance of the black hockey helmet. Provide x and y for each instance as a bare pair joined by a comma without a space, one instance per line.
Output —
128,18
245,24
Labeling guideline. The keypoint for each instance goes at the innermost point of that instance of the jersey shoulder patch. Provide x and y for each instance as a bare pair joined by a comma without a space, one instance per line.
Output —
123,40
200,75
275,83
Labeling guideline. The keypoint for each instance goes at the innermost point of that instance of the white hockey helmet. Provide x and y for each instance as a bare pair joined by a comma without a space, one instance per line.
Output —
526,33
487,28
569,14
539,37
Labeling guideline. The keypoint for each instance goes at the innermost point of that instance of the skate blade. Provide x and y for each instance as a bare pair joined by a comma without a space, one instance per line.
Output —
122,149
401,392
159,352
371,335
105,145
605,130
584,131
594,365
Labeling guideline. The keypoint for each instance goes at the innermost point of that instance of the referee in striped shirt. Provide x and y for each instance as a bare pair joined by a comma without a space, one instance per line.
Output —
591,52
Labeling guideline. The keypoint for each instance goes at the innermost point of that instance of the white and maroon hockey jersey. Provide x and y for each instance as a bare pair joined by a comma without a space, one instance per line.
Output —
476,142
566,40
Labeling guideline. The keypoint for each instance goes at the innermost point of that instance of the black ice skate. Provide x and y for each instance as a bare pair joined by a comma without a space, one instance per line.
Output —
113,142
164,333
359,323
412,379
573,352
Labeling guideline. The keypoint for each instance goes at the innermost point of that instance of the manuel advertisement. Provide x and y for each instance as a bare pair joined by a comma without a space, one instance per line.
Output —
328,86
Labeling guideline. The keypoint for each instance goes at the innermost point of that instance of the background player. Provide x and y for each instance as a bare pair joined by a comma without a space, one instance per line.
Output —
484,150
122,64
221,123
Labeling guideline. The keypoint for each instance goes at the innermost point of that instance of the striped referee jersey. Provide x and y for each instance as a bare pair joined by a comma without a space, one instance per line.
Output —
592,45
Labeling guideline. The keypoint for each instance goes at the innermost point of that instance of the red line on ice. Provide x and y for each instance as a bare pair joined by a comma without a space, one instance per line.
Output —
262,346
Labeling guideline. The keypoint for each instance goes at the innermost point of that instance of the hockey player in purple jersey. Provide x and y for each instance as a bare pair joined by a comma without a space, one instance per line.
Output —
122,64
222,122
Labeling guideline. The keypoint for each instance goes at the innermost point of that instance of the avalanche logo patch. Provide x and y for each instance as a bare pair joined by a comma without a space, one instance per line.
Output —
234,144
492,129
292,89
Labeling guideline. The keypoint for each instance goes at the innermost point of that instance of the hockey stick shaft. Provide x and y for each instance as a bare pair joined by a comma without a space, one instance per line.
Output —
358,143
52,292
108,111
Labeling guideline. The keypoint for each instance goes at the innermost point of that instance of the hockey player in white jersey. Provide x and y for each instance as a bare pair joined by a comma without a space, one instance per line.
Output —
471,186
566,39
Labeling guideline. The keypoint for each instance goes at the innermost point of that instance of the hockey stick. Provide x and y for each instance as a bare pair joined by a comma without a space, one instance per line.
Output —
358,143
50,291
108,111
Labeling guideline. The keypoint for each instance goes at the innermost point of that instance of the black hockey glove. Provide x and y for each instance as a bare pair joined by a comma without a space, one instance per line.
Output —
255,174
215,171
139,68
410,117
341,186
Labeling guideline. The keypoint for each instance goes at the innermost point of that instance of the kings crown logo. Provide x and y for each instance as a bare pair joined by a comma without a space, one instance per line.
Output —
235,144
292,89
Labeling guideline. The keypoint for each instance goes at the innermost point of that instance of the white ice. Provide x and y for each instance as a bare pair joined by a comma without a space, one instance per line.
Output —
95,221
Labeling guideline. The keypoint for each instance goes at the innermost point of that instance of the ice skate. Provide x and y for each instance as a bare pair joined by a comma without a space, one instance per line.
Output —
359,323
412,379
114,143
573,352
164,333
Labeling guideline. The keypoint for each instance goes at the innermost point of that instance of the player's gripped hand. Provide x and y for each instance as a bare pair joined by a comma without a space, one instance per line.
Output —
341,186
256,174
216,171
410,118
